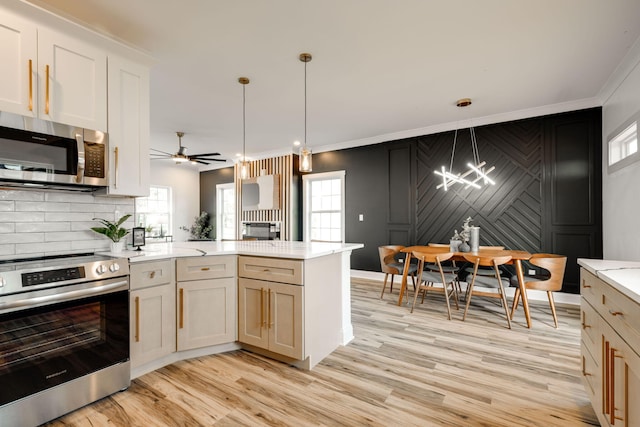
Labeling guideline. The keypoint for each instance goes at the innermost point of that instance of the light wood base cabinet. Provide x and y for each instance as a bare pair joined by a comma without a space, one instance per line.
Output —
206,301
610,352
152,311
271,316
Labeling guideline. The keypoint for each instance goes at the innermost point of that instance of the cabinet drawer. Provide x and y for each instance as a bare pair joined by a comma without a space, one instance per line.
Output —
147,274
205,267
590,320
621,313
271,269
590,373
590,287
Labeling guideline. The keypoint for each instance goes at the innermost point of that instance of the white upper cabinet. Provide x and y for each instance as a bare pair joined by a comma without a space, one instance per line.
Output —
51,76
72,81
18,48
128,128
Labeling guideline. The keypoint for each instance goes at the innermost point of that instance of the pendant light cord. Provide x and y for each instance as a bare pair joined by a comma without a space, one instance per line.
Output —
244,127
305,105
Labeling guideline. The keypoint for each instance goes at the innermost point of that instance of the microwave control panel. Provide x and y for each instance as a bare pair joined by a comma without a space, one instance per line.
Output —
94,155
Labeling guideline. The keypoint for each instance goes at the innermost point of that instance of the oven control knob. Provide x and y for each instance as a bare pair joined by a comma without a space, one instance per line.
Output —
101,269
114,267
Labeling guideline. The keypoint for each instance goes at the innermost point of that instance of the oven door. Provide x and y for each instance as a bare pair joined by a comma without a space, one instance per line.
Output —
54,336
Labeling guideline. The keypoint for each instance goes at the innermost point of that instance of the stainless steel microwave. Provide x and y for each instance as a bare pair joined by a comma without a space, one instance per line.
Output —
38,153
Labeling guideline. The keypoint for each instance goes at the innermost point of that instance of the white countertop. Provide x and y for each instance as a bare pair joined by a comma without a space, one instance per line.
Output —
622,275
266,248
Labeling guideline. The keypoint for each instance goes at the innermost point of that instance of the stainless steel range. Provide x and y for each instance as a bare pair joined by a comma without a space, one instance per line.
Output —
64,335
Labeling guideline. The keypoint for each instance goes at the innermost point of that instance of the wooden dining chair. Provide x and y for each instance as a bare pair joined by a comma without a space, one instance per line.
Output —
392,262
495,282
551,282
449,266
430,280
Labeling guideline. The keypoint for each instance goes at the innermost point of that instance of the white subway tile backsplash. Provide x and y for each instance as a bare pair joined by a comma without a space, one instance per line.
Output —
33,227
41,207
35,223
7,205
21,216
21,195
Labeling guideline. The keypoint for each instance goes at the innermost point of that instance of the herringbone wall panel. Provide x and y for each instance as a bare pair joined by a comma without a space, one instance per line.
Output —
508,214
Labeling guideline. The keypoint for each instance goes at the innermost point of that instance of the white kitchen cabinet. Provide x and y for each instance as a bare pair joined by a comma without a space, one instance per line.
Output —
206,301
153,311
51,76
18,49
128,127
610,351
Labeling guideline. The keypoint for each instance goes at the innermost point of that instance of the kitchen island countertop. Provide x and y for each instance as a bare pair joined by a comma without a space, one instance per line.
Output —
265,248
623,276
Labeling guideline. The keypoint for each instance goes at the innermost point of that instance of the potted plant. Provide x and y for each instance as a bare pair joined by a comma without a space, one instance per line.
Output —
200,230
113,231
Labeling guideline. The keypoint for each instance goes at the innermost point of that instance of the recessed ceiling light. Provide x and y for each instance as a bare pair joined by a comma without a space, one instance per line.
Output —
296,143
238,154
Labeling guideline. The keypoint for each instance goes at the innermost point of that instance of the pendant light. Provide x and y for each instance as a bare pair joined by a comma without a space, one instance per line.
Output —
481,174
244,164
305,153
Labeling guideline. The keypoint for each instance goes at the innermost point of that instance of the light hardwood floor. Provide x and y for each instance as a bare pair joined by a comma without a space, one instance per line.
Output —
401,369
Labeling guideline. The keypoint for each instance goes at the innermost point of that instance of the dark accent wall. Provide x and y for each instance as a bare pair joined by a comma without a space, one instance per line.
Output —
208,182
547,196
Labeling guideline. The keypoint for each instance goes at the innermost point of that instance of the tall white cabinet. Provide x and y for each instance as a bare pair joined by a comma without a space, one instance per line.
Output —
128,127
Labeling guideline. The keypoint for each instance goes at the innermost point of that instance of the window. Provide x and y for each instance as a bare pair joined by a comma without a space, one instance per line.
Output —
623,147
324,207
154,212
226,211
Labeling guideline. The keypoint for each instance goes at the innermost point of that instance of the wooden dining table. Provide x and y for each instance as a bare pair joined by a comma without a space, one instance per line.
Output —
516,260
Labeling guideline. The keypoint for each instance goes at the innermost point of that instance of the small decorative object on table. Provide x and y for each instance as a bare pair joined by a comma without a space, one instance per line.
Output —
455,242
113,231
137,237
465,234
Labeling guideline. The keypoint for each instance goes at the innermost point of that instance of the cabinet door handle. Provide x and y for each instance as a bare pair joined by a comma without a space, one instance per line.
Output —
181,320
584,370
30,85
584,321
116,167
204,268
270,323
262,321
137,303
152,274
616,313
46,99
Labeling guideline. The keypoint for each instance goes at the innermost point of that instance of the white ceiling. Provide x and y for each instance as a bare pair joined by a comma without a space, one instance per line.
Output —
381,69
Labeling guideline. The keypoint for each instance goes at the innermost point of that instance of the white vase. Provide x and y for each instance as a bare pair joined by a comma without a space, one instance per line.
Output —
117,246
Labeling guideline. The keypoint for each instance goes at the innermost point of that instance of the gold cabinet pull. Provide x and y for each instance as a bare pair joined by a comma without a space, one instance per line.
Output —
30,85
270,320
152,274
116,167
616,313
262,321
137,304
204,268
584,370
46,99
584,321
181,321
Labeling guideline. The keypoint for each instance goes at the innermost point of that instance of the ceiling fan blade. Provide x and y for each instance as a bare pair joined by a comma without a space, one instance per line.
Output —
205,154
160,151
200,161
211,160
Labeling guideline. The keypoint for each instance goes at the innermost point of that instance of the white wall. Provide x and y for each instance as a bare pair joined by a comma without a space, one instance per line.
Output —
621,189
184,181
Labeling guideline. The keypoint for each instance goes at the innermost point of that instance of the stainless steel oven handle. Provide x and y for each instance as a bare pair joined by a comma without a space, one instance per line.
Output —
65,296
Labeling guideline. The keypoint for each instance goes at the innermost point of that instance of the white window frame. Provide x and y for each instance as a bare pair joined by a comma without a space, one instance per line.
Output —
306,205
617,142
220,210
169,213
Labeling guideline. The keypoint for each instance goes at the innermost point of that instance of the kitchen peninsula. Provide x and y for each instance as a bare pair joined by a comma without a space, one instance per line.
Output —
286,300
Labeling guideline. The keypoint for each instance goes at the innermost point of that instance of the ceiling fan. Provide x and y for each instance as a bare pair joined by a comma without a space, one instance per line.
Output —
182,157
